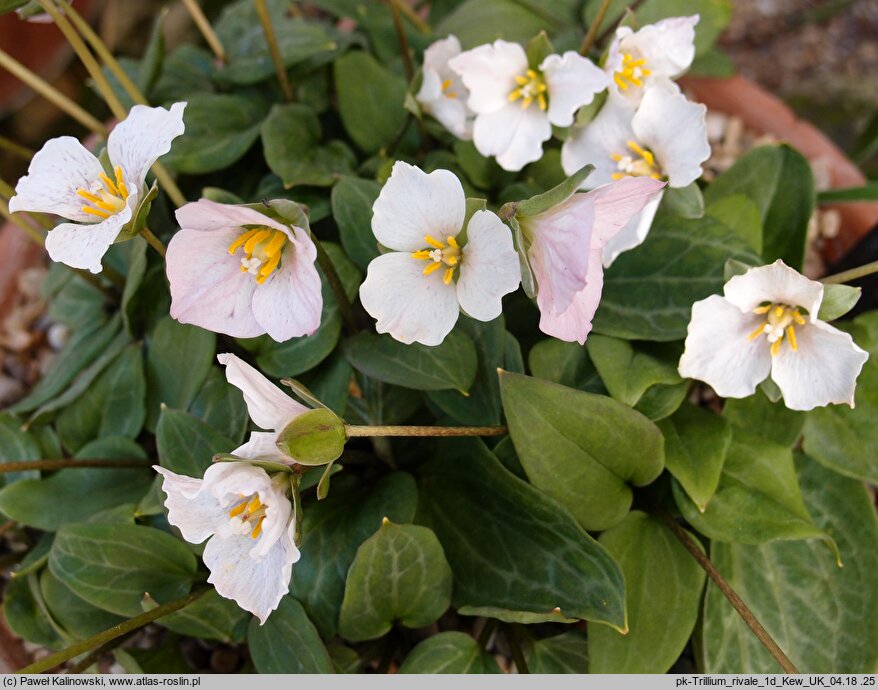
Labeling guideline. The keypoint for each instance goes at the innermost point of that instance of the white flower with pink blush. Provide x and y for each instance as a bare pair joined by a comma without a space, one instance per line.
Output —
416,291
236,271
516,104
442,93
658,52
766,324
67,180
565,248
664,138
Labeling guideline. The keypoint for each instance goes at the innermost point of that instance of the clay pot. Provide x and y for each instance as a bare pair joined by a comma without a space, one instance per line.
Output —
21,253
766,114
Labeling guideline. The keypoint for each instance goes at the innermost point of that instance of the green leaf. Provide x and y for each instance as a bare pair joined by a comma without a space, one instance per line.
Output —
333,530
113,566
186,445
838,300
291,137
370,100
649,291
137,265
629,370
153,55
587,467
221,406
685,202
15,445
476,22
845,439
564,653
741,214
449,652
483,172
112,405
451,365
511,546
210,617
220,128
186,71
696,443
482,405
663,586
24,610
178,359
315,437
77,617
662,400
779,180
822,616
565,363
288,642
758,499
352,199
757,415
399,574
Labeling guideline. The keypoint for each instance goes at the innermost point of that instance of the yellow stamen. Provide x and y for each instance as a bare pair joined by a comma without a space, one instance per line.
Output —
621,83
798,318
616,157
241,241
778,311
110,185
251,243
451,94
433,242
759,331
275,244
763,309
451,261
521,80
238,509
254,505
527,101
88,196
618,176
268,268
541,99
422,254
446,84
432,268
631,72
775,347
258,529
95,212
791,334
120,182
451,241
449,274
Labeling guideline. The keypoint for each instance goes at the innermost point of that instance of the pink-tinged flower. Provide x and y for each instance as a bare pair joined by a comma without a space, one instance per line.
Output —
442,93
65,179
766,324
249,522
516,105
236,271
566,246
416,291
657,52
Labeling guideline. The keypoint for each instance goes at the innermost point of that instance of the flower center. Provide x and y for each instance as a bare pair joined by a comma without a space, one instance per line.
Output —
109,197
440,255
632,72
531,87
639,162
250,513
780,321
262,251
446,85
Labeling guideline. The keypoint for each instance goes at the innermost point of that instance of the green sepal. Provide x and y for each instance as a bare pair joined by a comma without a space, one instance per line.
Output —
315,437
132,228
557,195
734,268
589,112
303,393
528,280
538,49
266,465
323,484
838,300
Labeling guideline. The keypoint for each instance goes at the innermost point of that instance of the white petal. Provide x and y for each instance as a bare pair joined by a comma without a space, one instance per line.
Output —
489,268
256,584
267,405
633,234
618,202
195,512
489,72
446,105
57,170
407,304
668,46
573,324
413,204
573,81
597,142
208,288
453,114
205,215
719,351
261,446
776,283
675,130
289,303
823,370
514,135
141,138
84,245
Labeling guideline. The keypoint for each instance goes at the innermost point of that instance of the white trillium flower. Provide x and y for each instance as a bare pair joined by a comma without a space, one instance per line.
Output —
443,94
665,138
766,323
417,290
657,52
249,522
517,105
65,179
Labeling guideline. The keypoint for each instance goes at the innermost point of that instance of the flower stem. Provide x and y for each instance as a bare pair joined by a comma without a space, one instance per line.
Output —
353,431
610,29
344,304
737,603
16,149
413,17
106,636
511,631
51,94
25,465
403,39
153,241
206,29
590,37
852,274
274,49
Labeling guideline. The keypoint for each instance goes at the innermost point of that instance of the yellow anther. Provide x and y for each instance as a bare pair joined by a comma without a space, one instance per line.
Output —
515,95
451,241
531,87
88,196
446,84
451,260
433,242
276,243
95,212
616,157
759,331
527,101
521,80
621,83
241,241
110,185
423,254
432,268
763,309
798,318
449,274
791,334
531,74
778,311
639,162
238,509
258,529
775,347
618,176
631,73
120,182
268,268
779,325
254,505
541,99
259,236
